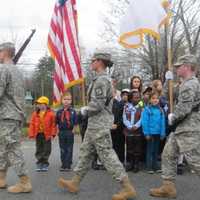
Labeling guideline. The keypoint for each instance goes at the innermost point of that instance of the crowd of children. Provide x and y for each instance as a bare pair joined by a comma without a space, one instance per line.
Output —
45,125
138,131
144,125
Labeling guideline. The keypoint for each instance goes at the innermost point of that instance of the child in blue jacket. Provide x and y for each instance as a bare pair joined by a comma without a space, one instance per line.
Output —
153,125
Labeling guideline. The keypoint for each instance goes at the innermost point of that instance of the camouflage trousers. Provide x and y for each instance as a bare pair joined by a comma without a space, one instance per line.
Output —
103,147
187,144
10,152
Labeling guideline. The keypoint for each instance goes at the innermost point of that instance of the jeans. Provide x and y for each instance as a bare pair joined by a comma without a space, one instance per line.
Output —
43,149
66,142
152,152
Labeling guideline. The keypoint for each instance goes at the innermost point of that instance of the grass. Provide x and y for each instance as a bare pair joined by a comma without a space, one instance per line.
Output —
24,131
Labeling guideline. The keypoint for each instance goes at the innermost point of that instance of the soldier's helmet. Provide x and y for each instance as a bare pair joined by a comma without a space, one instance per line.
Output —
105,57
43,100
7,45
186,59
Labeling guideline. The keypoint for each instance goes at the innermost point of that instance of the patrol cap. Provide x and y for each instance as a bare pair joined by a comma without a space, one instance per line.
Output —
7,45
103,56
186,59
43,100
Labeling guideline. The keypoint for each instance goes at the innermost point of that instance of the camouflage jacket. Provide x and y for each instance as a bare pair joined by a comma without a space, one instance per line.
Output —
11,93
100,102
187,110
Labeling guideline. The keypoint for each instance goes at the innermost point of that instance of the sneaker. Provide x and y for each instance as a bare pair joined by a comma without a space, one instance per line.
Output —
158,171
38,168
64,169
150,171
44,168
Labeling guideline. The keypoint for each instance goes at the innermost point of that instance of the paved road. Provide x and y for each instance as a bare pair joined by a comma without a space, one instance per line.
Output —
97,185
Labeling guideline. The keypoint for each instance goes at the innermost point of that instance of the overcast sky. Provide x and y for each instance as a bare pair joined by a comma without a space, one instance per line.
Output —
18,17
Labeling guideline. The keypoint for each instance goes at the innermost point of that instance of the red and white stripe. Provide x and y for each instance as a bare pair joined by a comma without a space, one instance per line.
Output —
64,48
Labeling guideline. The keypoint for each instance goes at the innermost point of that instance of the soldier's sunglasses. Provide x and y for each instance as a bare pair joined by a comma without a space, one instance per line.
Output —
92,61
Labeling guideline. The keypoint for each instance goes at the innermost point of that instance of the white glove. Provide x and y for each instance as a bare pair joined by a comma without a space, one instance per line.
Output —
171,118
169,75
84,110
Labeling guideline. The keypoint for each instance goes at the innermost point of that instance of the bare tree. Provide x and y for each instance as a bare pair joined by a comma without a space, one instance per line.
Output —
189,16
184,30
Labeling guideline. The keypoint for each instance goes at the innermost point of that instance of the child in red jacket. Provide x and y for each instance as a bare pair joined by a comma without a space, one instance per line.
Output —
43,128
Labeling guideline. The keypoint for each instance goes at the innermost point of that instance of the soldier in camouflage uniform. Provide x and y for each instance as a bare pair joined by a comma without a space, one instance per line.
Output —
186,137
11,118
97,137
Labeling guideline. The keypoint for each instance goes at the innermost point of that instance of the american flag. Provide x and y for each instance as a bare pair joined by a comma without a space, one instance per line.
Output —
64,47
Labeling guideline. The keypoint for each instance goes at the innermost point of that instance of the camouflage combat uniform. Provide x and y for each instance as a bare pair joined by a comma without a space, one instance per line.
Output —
186,138
97,137
11,118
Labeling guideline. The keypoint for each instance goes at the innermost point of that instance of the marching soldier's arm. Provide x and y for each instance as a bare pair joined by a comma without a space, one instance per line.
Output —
3,80
186,101
98,97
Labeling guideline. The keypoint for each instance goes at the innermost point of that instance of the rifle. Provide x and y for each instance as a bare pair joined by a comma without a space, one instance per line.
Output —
20,51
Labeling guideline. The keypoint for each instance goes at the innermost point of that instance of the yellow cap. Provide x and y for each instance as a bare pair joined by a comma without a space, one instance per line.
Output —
43,100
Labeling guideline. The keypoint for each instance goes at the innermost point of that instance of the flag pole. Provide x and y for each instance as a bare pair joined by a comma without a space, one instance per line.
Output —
83,96
83,93
170,82
170,66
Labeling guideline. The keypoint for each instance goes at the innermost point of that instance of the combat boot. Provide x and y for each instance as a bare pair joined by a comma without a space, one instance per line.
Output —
3,179
71,185
23,186
167,190
128,191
